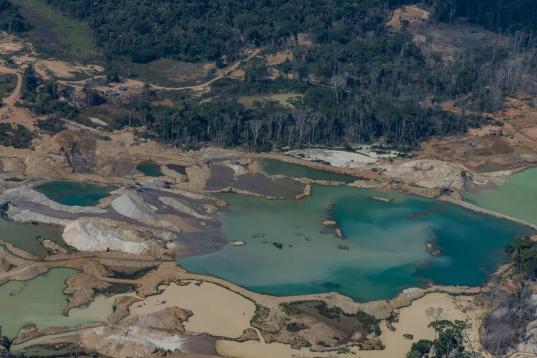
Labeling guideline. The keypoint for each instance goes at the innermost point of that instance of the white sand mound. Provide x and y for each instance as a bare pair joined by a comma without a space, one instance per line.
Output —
182,208
132,205
336,158
87,235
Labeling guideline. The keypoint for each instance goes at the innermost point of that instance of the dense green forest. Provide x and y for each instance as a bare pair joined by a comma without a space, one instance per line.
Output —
209,29
10,18
496,15
357,81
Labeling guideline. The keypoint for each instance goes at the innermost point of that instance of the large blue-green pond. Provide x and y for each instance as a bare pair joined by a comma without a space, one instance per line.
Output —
383,250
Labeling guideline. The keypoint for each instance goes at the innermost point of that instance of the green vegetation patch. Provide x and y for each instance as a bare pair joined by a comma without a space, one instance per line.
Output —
107,112
284,99
56,35
11,19
51,125
335,317
523,253
166,72
15,135
449,342
8,82
496,15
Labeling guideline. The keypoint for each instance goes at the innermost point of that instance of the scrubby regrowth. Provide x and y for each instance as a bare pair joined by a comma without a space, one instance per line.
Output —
449,342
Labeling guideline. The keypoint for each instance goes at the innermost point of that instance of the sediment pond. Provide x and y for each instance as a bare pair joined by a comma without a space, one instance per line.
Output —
42,301
288,251
277,167
74,193
223,177
517,197
26,236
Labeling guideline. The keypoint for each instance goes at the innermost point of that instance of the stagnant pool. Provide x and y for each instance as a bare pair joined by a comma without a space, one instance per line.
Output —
41,301
384,250
74,193
26,235
277,167
517,197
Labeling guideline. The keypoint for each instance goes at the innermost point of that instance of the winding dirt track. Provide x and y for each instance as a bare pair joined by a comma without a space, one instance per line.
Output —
16,94
9,112
205,86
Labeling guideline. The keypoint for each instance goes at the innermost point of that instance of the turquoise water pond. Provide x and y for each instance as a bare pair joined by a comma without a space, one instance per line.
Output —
383,253
517,197
74,193
277,167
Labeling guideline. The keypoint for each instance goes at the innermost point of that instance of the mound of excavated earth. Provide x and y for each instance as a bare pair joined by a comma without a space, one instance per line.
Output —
183,208
88,235
132,205
429,173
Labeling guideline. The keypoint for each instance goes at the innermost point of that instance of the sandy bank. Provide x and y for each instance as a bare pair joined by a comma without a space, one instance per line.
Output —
217,311
412,320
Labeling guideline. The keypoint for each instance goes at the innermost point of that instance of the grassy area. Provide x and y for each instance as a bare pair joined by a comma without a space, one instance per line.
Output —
282,98
106,112
8,82
56,35
167,72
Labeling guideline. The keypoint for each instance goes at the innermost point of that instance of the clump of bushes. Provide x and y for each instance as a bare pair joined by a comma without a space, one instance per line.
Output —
16,136
523,252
